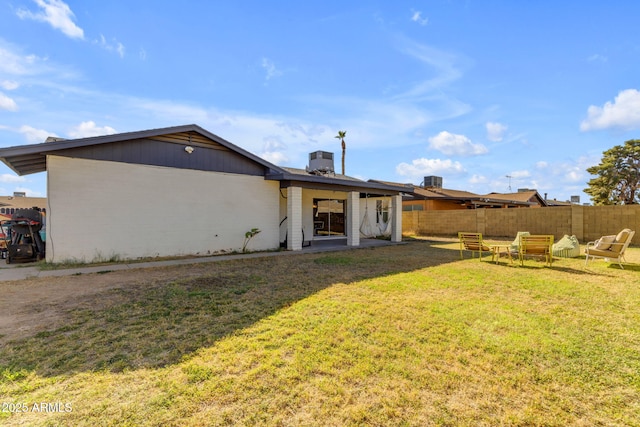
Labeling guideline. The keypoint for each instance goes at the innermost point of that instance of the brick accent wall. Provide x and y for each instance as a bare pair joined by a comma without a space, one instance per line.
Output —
587,223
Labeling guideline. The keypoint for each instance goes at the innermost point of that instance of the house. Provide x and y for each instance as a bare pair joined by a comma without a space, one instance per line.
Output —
431,196
9,204
445,199
183,190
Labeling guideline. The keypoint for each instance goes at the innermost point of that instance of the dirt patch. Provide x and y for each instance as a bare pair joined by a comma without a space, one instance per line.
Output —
33,305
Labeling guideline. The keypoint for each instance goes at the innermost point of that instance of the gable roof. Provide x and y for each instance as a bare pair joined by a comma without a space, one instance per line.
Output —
28,159
526,196
521,198
157,147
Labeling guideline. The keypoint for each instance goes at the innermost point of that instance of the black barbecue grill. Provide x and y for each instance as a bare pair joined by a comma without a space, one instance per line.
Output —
22,234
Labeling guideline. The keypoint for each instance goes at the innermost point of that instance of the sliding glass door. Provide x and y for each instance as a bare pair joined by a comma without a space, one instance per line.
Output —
328,217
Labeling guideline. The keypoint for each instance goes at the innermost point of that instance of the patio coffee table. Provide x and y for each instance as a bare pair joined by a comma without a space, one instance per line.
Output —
497,250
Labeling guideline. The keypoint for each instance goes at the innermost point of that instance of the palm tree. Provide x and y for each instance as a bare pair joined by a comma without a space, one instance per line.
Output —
340,136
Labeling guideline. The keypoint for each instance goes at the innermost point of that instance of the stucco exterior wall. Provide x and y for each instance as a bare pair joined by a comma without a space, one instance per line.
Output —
99,209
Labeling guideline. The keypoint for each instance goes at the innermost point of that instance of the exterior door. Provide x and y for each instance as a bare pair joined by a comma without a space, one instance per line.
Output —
328,217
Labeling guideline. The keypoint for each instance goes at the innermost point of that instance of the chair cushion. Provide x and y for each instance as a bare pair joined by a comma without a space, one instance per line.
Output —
474,246
623,236
603,254
605,243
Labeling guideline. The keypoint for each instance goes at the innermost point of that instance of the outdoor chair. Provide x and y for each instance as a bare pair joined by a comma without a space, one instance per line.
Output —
609,247
473,242
539,245
515,245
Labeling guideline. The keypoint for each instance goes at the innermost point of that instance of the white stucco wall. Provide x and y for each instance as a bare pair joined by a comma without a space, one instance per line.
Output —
99,209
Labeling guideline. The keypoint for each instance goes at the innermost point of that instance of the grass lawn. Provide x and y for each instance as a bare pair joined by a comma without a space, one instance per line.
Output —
404,335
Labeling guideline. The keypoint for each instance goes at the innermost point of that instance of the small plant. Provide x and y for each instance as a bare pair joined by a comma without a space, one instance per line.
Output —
248,236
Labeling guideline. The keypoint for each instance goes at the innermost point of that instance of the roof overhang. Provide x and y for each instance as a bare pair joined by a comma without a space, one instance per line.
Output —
28,159
332,183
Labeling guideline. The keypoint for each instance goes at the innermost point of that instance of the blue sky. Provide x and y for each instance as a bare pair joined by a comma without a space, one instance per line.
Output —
473,91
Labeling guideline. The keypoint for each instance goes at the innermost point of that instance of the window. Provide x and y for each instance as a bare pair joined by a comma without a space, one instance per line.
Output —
328,217
382,211
412,207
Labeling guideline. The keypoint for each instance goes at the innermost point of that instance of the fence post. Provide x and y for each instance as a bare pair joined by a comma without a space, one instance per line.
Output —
577,221
481,223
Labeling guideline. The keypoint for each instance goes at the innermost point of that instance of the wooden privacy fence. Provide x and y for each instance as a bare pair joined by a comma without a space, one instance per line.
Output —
587,223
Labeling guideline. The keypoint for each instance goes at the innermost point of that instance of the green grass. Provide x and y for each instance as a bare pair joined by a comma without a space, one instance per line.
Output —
406,335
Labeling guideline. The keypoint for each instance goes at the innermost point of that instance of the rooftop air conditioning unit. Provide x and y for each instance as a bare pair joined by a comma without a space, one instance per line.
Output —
433,181
320,162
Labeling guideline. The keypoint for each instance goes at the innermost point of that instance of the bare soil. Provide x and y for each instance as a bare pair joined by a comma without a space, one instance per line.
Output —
32,305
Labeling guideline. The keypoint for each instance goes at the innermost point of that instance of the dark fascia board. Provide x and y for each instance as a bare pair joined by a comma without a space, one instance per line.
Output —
475,200
314,181
44,148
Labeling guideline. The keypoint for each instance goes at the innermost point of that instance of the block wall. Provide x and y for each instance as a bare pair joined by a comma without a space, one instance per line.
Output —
587,223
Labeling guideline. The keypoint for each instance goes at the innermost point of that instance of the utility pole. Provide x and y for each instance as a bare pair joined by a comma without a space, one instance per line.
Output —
509,176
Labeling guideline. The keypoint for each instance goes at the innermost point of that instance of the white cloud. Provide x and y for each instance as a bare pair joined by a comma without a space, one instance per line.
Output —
495,131
274,150
520,174
275,157
57,14
574,175
7,103
16,64
113,46
10,178
34,135
622,113
597,57
542,164
452,144
417,17
446,69
9,85
89,129
419,168
270,69
29,192
478,179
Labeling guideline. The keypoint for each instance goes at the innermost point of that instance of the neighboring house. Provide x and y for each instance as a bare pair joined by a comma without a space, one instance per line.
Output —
183,190
434,197
444,199
555,203
9,204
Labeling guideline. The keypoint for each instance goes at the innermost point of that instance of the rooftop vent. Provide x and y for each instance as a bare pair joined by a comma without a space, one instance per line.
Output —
321,163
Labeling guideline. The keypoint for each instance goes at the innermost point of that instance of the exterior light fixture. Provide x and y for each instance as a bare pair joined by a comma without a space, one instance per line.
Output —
188,149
